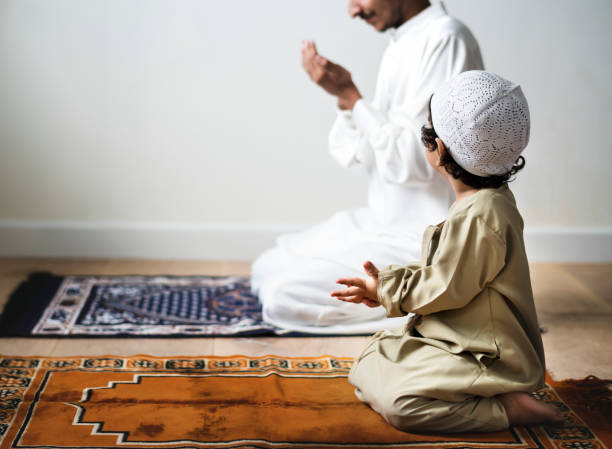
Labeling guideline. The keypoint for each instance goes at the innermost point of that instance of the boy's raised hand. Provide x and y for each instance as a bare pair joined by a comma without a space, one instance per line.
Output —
360,290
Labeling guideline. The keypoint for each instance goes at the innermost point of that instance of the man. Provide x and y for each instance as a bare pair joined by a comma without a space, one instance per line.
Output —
382,137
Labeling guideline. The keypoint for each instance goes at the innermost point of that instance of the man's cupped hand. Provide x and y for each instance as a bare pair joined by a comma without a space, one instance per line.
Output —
334,78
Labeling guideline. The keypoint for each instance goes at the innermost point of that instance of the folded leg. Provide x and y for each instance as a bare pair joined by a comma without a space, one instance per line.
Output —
388,392
295,278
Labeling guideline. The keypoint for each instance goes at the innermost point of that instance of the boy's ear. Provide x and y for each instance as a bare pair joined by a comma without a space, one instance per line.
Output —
440,150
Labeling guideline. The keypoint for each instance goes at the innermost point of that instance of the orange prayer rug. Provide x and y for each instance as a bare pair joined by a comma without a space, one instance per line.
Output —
235,402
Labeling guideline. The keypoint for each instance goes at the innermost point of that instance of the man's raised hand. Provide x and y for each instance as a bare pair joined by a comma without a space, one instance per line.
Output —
334,78
360,290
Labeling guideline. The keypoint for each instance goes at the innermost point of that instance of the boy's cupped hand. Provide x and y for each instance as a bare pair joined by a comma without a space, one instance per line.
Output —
360,290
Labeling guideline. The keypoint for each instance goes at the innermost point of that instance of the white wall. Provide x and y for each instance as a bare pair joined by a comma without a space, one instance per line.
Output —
189,129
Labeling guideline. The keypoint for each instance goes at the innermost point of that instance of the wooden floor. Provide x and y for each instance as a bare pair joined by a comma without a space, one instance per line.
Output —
574,303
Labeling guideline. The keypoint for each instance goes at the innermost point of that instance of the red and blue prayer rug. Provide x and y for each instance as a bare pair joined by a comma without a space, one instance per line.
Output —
46,305
243,402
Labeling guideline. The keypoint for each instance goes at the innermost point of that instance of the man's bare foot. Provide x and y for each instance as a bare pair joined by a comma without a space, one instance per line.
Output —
523,410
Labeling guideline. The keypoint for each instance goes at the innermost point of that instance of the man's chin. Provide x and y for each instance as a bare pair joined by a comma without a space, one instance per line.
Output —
377,26
380,27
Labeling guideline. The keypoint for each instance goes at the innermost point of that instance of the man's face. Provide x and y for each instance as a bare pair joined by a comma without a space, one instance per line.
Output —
381,14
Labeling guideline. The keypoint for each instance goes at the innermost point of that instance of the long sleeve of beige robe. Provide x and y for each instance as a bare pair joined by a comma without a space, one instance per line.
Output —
457,273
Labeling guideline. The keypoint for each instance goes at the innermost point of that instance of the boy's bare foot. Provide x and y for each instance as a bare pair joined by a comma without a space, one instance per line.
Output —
523,410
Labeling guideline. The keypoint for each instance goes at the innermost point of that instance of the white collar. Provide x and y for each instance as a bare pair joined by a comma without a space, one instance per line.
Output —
430,13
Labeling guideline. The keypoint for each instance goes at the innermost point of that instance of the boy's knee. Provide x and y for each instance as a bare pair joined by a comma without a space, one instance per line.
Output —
426,415
402,412
418,414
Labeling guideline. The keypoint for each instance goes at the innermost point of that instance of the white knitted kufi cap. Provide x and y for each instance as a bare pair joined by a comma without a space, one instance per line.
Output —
483,121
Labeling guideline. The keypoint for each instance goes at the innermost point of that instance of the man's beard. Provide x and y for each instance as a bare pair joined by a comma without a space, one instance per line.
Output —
394,22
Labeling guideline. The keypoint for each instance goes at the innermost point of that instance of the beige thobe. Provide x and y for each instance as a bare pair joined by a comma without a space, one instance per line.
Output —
475,333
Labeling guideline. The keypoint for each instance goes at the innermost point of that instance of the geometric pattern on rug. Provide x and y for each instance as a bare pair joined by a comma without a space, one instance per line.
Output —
103,306
222,402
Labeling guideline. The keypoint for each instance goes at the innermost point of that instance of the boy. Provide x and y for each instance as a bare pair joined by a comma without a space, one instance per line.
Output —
472,352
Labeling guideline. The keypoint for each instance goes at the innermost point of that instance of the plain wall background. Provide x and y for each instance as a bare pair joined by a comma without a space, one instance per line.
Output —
125,126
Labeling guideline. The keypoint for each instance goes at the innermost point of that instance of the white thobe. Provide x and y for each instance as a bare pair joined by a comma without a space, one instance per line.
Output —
383,138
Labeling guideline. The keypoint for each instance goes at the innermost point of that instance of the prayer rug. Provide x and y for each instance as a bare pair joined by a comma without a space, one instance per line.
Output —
243,402
153,306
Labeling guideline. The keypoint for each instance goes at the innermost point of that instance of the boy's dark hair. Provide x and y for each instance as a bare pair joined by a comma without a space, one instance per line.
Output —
428,137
